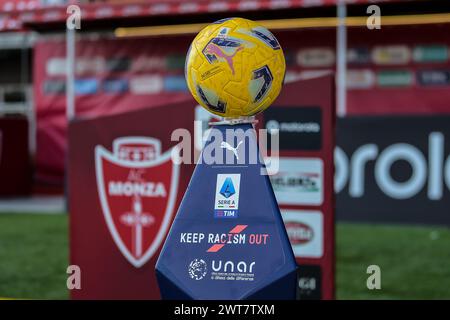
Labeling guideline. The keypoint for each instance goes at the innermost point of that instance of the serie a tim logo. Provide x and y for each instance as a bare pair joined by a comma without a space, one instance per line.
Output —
227,196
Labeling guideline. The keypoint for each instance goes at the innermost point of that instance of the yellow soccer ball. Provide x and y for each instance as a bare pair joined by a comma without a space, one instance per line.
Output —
235,67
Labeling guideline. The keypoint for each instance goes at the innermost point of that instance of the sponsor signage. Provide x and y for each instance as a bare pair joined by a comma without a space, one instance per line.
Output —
433,77
146,84
316,57
299,128
305,231
391,55
359,55
226,204
118,64
309,282
303,184
434,53
398,174
86,86
221,270
360,79
90,65
299,181
56,67
115,85
54,87
175,61
145,63
395,78
175,83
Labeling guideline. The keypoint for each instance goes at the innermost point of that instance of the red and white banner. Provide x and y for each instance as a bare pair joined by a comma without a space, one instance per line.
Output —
19,5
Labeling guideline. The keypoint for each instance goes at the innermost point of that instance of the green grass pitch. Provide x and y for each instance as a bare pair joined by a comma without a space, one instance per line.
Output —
414,261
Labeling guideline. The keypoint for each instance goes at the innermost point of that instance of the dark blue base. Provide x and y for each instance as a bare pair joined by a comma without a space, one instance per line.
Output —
228,239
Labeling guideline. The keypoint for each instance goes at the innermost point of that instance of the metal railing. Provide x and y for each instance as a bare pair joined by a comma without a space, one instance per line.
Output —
18,99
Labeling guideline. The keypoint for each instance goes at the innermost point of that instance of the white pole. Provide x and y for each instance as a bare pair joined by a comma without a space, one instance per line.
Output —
70,77
341,65
70,93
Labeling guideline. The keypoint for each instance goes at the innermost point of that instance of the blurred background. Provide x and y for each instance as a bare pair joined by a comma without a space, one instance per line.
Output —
392,166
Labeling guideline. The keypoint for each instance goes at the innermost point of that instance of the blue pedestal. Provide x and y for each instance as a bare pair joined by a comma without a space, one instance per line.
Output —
228,239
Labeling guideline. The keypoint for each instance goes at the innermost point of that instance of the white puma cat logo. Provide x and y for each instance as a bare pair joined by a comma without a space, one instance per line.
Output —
226,145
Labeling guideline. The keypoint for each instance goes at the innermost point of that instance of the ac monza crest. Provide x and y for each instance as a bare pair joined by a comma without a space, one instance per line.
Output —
137,187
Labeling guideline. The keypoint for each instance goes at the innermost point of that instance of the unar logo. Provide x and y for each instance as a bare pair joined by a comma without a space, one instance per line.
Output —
230,266
299,233
137,187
